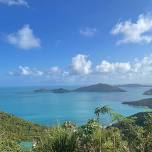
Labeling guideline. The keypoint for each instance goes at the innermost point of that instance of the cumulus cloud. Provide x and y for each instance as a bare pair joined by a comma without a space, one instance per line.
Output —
81,65
26,71
107,67
134,32
143,66
24,38
137,71
15,2
88,32
55,69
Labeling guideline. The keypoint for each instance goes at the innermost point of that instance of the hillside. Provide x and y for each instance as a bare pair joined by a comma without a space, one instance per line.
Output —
138,119
18,129
126,135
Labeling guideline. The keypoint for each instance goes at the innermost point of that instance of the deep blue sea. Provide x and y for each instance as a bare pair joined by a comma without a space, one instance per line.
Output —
50,108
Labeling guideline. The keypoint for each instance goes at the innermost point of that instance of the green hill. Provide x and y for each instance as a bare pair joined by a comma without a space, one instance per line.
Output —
18,129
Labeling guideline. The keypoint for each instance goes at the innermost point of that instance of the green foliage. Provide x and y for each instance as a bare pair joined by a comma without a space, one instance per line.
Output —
102,110
59,139
68,125
87,138
19,129
7,145
108,140
115,117
133,134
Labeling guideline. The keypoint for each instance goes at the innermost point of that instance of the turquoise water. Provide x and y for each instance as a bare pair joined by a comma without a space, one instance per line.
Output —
50,108
26,145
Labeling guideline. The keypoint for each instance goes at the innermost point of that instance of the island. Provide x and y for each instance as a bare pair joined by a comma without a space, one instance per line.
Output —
142,102
60,90
100,87
148,92
43,90
134,85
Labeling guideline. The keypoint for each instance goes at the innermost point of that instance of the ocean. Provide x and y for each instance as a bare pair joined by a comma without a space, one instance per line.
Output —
51,109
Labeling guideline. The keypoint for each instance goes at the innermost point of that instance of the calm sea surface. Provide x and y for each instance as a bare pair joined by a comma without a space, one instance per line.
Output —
50,108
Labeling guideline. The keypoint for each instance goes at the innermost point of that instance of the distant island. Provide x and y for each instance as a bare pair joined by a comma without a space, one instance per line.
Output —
134,85
60,90
100,87
142,102
148,92
43,90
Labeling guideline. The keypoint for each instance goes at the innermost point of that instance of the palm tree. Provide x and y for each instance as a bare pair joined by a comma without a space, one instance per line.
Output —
97,112
115,117
102,110
105,109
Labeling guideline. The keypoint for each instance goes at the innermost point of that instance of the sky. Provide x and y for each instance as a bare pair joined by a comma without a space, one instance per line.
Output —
73,42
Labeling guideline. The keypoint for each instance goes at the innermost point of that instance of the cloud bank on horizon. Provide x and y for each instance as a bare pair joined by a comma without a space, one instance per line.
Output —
81,70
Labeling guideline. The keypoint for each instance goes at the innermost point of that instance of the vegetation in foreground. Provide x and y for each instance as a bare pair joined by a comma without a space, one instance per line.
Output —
133,134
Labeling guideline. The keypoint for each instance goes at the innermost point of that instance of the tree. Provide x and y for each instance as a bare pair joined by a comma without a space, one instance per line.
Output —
102,110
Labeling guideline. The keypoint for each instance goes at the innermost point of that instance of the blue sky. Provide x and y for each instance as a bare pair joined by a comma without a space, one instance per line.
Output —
75,42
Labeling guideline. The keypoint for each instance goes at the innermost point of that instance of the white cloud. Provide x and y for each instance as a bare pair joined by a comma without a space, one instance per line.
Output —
107,67
26,71
143,66
55,70
15,2
81,65
39,73
24,38
88,32
134,32
137,71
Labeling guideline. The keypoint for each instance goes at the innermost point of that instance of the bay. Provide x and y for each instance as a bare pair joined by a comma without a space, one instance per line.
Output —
51,108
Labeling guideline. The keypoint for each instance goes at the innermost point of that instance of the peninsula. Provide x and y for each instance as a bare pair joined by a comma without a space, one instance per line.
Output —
142,102
134,85
148,92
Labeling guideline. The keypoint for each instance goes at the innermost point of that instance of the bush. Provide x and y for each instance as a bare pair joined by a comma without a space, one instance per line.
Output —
9,146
